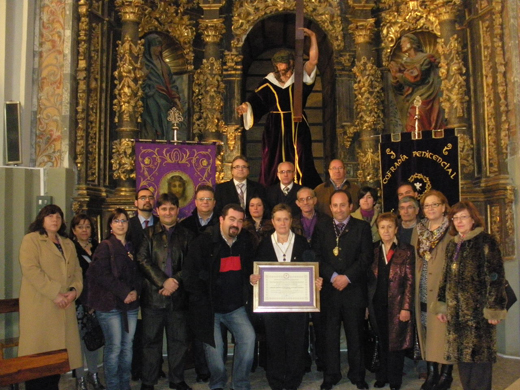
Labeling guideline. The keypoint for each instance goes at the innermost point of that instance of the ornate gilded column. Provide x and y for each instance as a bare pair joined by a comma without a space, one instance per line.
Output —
127,104
208,85
368,89
452,69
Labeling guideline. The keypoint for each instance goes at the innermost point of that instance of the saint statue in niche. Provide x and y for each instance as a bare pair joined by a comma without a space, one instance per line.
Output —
160,92
417,74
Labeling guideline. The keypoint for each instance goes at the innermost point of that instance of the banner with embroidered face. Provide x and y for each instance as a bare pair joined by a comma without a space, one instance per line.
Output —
430,162
175,168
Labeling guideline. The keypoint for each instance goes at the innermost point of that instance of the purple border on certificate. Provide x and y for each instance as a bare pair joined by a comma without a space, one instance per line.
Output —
283,304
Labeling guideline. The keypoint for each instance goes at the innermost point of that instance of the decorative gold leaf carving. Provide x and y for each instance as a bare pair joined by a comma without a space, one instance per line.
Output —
81,76
123,159
368,165
208,92
489,102
130,10
499,58
232,132
403,17
232,61
466,153
369,96
363,30
94,101
326,13
212,30
494,211
162,16
129,77
452,72
348,130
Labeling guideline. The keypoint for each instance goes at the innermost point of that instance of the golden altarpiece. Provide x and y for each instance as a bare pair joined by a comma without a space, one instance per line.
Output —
215,42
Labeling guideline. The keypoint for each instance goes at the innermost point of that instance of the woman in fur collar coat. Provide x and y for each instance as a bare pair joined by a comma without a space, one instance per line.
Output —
471,298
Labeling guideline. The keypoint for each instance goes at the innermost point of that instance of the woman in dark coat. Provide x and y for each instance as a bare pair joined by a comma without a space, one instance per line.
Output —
471,298
391,293
83,235
285,332
114,286
259,225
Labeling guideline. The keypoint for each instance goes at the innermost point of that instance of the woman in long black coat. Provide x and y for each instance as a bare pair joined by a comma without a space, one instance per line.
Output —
285,332
391,294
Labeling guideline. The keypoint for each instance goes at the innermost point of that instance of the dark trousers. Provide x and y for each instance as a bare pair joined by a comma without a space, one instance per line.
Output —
353,320
392,362
285,336
137,351
155,321
476,376
46,383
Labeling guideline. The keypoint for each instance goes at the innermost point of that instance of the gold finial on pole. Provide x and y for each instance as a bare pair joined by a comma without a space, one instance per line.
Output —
417,103
175,117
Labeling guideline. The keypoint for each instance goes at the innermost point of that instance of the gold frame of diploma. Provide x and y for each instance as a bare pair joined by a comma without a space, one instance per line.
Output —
286,287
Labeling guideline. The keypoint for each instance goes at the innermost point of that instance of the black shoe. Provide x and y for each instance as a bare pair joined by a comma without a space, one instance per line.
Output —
380,384
179,386
362,385
146,387
136,377
162,374
307,370
432,376
445,378
203,378
329,384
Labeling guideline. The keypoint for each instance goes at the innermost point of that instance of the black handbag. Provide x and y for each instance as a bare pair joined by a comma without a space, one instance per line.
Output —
93,336
511,296
372,360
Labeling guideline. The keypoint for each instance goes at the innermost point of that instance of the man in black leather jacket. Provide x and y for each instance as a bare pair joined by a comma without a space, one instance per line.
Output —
163,301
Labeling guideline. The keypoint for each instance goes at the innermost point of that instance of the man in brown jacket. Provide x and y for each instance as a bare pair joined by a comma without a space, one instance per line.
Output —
338,181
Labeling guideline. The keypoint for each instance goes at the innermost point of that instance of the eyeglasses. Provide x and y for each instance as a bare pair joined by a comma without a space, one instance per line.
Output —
204,199
431,206
307,199
336,169
284,172
123,221
144,198
460,218
403,208
240,167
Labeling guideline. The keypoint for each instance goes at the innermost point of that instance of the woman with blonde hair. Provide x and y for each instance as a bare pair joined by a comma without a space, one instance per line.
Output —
430,247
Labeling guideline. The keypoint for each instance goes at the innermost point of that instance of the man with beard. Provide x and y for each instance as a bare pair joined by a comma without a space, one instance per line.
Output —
144,202
216,275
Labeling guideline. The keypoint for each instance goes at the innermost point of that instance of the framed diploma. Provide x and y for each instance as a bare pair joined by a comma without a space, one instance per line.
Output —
286,287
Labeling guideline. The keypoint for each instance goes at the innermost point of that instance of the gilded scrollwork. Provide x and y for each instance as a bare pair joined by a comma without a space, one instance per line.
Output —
170,19
489,102
363,30
368,160
93,105
401,17
232,132
495,224
129,77
81,76
452,72
208,92
123,159
466,153
232,61
130,10
510,220
212,30
368,89
499,58
219,176
326,13
447,9
348,131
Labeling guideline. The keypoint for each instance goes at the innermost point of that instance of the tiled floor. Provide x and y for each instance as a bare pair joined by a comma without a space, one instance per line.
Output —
505,373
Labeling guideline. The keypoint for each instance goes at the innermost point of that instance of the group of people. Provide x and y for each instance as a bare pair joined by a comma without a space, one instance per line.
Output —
426,275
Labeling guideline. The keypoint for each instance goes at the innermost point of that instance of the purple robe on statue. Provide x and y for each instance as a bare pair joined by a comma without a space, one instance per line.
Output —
283,139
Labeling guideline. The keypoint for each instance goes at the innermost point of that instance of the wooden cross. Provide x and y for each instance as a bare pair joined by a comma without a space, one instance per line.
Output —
298,64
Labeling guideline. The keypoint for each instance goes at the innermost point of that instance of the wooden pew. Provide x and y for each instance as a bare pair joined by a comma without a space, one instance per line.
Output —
8,306
24,368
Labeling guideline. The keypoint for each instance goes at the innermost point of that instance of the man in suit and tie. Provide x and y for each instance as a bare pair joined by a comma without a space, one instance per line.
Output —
144,202
344,248
285,191
239,190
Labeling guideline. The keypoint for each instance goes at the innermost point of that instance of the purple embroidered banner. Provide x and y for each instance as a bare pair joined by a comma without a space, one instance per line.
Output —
177,168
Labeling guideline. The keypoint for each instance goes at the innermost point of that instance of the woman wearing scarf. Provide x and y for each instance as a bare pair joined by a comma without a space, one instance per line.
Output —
432,240
472,298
